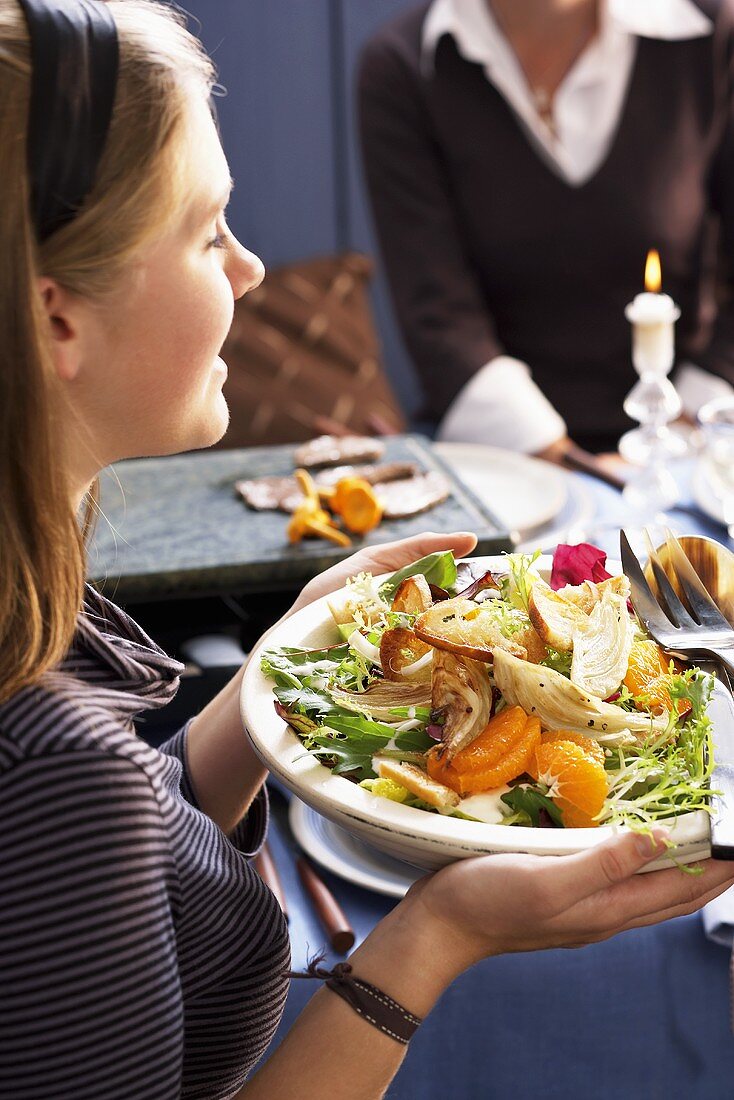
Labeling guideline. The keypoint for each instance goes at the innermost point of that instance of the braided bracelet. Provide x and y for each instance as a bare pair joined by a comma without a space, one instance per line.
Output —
366,999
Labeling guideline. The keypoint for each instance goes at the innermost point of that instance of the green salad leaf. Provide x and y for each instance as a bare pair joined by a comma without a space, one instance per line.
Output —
307,699
300,723
353,739
415,740
352,742
289,667
530,801
438,568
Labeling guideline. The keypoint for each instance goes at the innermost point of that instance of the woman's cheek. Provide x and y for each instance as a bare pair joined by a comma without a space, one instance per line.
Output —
214,309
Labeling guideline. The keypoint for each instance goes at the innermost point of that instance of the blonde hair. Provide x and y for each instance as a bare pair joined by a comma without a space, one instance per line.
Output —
42,545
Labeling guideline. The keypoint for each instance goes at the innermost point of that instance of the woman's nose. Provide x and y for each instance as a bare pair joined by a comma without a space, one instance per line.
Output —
246,271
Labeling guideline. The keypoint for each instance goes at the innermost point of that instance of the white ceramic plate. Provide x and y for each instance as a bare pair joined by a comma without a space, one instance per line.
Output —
347,856
523,492
422,839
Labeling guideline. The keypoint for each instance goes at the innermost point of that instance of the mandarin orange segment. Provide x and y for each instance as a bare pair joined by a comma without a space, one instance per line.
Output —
573,817
646,676
507,749
590,746
495,740
644,664
576,782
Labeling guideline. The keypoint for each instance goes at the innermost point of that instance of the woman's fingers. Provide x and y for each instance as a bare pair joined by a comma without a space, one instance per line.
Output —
635,899
680,910
656,916
649,894
607,893
575,877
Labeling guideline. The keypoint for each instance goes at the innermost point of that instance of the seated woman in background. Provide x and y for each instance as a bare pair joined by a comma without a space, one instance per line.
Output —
141,956
522,156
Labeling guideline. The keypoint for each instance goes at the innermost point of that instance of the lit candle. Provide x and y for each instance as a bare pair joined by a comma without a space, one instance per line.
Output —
653,316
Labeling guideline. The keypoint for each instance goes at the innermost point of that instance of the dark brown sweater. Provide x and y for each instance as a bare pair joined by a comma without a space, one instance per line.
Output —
488,251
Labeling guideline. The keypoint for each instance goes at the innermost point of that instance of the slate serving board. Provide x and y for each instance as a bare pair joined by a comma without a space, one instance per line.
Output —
176,527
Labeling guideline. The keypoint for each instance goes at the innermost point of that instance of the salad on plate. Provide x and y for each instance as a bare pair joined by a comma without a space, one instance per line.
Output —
504,697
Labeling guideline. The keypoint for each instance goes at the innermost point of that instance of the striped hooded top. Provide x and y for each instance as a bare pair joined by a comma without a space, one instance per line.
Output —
140,954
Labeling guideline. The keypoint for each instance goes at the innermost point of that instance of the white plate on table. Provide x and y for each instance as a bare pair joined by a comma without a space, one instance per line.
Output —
347,856
523,492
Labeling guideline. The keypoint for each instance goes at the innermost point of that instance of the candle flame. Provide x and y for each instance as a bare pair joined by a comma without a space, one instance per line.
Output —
653,275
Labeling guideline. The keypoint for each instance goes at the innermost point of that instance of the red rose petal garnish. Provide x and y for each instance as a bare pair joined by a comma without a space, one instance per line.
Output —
575,564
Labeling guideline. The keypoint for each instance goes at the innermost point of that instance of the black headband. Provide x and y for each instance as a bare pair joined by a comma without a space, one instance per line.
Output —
74,58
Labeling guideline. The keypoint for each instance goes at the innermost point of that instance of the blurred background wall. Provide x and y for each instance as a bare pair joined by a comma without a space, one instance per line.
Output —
288,126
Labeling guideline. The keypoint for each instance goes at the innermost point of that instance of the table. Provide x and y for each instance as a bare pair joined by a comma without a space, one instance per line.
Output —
645,1015
642,1017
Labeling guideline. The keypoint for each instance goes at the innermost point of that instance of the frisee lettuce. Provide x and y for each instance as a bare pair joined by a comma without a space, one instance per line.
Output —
559,662
670,774
516,584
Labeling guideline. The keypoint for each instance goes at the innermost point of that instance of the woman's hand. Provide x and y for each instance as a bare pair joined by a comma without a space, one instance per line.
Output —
385,558
497,904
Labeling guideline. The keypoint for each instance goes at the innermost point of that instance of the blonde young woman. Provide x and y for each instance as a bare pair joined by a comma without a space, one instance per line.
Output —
140,956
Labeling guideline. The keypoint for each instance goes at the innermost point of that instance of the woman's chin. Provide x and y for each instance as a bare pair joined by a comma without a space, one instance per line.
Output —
210,429
219,421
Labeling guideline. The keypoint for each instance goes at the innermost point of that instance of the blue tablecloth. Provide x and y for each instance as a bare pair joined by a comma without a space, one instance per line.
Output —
645,1015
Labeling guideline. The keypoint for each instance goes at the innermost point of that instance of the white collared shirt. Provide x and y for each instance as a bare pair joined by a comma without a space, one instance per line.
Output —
586,110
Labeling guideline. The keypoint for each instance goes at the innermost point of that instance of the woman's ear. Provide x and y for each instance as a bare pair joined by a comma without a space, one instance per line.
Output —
60,307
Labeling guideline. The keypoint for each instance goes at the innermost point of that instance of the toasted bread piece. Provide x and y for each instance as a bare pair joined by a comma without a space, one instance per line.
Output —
412,596
400,647
462,626
554,617
417,782
588,594
537,649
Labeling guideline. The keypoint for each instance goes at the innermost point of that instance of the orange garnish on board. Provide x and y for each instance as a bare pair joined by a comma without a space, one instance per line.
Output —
576,782
647,676
501,752
309,518
355,500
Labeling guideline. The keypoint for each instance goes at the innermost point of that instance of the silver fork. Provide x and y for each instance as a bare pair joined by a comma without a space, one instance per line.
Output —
701,632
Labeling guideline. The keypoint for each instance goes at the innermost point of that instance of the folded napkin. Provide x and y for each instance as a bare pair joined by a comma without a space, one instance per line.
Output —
718,924
718,919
